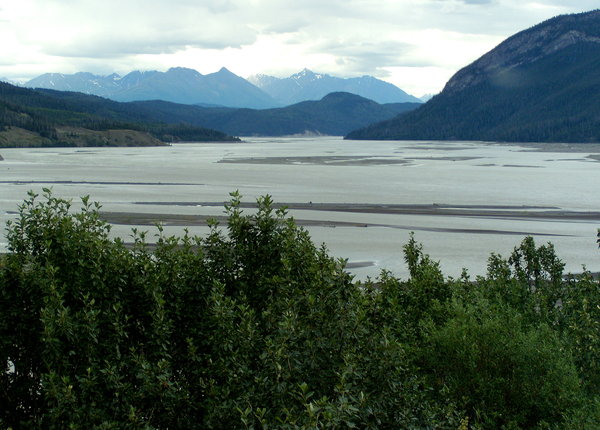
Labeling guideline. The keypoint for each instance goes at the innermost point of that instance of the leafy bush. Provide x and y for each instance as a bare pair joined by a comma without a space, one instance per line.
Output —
502,372
253,326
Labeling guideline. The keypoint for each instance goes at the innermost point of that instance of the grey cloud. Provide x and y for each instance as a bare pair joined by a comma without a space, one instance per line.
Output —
287,25
219,6
386,52
6,62
366,57
273,14
162,32
467,1
156,42
361,35
82,29
571,4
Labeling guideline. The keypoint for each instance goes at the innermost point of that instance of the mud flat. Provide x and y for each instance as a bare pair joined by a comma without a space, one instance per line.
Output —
442,210
558,147
463,200
319,160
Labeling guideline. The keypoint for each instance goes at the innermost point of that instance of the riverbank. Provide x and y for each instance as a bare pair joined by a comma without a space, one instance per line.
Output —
505,212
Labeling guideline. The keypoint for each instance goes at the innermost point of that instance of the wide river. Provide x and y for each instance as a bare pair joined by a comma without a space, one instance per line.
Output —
463,200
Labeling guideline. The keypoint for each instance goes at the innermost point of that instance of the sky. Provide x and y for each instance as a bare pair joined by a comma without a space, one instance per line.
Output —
414,44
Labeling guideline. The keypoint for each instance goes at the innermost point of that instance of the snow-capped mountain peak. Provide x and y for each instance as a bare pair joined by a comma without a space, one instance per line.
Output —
308,85
307,75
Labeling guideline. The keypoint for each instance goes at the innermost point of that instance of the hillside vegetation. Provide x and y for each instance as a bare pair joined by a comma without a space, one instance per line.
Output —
54,118
540,85
254,326
39,118
335,114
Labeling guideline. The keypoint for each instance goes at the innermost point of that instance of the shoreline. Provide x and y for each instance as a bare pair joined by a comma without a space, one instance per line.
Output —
171,220
445,210
435,209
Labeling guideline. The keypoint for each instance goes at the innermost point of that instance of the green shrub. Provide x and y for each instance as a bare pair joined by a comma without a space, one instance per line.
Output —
253,326
502,372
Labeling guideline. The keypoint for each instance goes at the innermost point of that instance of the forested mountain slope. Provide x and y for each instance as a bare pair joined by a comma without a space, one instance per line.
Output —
335,114
54,118
541,85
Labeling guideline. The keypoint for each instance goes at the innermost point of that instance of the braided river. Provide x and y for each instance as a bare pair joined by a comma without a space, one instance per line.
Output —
462,200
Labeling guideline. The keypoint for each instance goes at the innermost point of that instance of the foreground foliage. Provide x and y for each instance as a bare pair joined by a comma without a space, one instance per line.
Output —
254,327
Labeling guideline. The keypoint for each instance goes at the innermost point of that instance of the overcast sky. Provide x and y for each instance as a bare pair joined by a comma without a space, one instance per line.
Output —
415,44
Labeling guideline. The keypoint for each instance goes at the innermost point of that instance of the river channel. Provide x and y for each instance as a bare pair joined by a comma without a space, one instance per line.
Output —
462,200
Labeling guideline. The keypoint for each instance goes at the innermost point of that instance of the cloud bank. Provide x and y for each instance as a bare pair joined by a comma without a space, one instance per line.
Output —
389,39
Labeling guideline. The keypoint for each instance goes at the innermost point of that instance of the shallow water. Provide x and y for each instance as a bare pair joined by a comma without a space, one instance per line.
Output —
515,179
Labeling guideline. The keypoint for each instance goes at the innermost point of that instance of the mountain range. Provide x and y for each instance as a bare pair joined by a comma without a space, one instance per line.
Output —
307,85
541,84
178,85
223,88
44,117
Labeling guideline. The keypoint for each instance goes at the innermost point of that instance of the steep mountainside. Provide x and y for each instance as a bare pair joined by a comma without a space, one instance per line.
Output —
81,82
54,118
335,114
541,84
178,85
307,85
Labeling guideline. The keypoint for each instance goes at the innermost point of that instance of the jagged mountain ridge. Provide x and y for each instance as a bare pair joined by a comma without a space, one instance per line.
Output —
308,85
177,85
542,84
222,88
81,82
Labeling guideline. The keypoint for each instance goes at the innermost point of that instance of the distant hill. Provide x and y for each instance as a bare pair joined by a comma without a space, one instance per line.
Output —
55,118
178,85
335,114
307,85
64,118
541,85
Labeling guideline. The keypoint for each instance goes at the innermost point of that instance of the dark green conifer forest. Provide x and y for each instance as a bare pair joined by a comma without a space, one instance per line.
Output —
255,327
43,112
530,88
